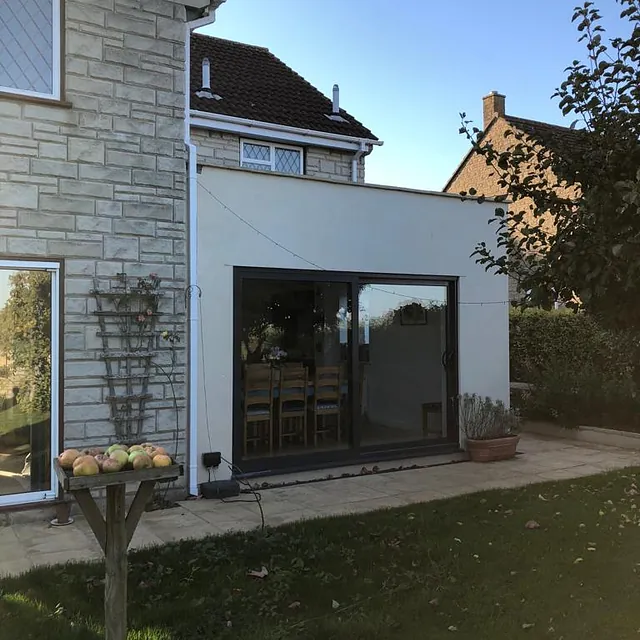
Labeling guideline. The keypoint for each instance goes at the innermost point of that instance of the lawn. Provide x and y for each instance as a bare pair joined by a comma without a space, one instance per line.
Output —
467,568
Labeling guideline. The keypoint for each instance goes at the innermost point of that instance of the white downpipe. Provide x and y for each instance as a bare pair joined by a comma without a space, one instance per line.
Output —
356,161
192,220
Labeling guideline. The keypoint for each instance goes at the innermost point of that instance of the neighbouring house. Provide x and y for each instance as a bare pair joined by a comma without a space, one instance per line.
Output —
473,171
308,318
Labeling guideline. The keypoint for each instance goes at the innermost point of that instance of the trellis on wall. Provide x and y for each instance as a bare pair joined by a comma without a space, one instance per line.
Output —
128,311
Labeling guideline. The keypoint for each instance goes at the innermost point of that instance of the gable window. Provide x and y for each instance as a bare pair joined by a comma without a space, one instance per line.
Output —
30,47
264,156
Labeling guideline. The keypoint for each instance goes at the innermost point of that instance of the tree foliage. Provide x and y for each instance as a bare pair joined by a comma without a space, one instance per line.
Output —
586,184
25,335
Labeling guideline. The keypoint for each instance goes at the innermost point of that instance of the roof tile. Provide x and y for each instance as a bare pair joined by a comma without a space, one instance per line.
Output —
256,85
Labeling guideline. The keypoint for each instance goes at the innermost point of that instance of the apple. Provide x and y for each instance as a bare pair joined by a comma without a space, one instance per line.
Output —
100,458
68,457
161,460
116,447
87,467
111,465
142,461
121,457
136,447
81,459
134,454
159,451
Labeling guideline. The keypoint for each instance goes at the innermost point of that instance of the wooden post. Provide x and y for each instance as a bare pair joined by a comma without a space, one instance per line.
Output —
114,532
115,590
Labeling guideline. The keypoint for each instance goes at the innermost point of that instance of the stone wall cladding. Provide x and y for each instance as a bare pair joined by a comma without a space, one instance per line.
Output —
216,148
101,185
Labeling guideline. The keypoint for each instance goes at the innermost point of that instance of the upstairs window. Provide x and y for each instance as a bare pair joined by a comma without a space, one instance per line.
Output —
30,47
264,156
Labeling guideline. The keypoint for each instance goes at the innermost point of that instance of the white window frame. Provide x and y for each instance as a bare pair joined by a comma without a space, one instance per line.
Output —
56,94
271,164
53,268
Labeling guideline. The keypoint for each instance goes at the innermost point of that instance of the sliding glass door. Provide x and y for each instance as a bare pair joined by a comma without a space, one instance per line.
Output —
294,373
403,377
330,366
28,381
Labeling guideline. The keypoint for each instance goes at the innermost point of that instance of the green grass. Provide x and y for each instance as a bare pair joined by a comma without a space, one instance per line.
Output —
14,418
460,568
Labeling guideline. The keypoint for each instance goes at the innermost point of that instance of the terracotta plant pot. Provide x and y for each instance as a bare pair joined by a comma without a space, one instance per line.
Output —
493,450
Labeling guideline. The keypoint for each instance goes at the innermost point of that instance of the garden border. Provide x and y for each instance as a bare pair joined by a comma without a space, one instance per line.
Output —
590,435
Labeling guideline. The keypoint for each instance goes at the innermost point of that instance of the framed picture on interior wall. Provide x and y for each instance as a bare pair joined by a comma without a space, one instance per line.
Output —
413,314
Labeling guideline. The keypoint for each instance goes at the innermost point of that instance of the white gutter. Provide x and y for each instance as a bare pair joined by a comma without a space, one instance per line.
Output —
283,133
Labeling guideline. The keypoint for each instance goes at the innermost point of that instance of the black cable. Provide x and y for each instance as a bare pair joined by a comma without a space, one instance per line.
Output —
316,265
257,496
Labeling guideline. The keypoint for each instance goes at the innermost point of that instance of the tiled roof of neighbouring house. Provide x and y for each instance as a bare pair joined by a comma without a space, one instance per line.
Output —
561,140
256,85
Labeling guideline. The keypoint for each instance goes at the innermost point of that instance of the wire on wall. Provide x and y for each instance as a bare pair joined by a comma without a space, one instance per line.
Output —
315,265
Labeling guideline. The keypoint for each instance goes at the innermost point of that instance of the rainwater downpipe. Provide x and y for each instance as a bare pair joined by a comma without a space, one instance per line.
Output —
362,151
192,283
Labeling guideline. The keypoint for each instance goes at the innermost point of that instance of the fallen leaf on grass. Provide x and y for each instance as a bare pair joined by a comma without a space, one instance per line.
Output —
532,524
577,561
528,625
434,602
294,605
452,628
591,548
335,604
263,573
542,498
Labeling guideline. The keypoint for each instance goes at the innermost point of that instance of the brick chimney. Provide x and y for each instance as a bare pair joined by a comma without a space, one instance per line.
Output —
492,106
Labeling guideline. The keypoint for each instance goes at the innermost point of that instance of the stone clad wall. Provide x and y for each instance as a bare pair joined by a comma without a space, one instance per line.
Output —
219,149
100,183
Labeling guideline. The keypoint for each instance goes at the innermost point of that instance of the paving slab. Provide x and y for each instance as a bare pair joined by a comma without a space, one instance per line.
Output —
26,544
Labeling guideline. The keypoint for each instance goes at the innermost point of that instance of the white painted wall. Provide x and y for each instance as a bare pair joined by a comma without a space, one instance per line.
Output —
340,227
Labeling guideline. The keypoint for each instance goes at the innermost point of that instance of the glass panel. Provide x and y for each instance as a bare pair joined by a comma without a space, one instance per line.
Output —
288,161
402,345
26,45
257,152
25,381
294,350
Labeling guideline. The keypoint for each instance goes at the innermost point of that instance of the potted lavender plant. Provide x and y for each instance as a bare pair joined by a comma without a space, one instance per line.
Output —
490,427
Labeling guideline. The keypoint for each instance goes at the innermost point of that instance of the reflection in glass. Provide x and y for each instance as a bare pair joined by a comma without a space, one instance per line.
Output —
294,350
25,381
402,334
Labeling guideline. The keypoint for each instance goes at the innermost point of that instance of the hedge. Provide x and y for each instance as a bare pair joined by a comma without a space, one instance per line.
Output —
581,372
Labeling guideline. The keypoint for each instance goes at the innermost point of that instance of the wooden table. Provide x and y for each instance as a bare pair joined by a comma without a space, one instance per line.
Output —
115,530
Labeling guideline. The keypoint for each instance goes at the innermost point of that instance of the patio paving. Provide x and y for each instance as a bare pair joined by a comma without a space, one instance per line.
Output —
28,544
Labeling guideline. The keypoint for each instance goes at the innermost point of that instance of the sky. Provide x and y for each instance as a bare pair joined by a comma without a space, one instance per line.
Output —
407,68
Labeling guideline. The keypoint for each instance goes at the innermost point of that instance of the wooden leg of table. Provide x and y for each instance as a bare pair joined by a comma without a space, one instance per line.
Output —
91,512
143,495
115,593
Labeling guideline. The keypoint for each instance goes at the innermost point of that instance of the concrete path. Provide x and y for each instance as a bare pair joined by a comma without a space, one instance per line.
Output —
27,544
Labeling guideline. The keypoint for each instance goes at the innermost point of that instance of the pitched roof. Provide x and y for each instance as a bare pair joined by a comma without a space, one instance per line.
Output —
563,141
256,85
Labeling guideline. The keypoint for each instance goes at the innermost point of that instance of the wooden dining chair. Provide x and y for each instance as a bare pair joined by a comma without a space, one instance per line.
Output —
258,405
293,394
327,402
